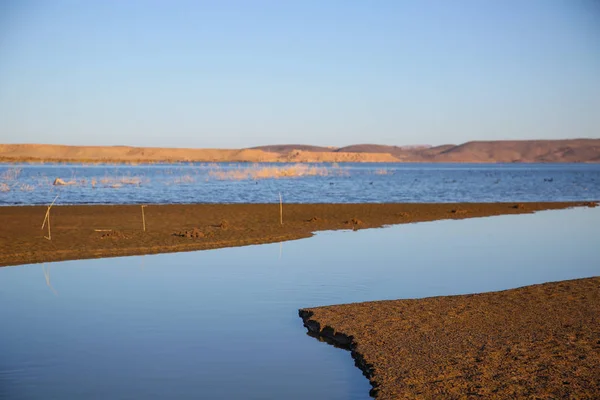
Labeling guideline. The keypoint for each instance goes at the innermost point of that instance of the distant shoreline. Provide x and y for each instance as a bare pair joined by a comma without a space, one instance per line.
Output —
96,231
166,162
493,152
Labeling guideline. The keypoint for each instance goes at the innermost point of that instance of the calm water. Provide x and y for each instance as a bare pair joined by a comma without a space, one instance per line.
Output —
223,323
326,183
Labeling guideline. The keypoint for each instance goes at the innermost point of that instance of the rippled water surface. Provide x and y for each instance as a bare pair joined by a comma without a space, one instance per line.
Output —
321,183
223,324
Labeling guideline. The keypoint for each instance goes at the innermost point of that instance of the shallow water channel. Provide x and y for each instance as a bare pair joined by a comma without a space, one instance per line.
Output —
224,323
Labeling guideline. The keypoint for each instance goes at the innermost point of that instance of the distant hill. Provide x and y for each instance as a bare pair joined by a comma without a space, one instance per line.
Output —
507,151
379,148
286,148
402,153
541,151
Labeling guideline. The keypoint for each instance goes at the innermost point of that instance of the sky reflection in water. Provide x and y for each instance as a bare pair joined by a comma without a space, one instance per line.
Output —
224,324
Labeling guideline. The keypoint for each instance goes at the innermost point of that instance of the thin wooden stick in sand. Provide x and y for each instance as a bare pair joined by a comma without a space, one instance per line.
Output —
280,210
143,219
47,219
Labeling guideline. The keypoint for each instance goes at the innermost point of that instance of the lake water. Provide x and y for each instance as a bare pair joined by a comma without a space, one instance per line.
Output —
321,183
223,324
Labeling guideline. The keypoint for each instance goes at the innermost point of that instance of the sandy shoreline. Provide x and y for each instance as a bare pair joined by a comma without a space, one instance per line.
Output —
94,231
540,341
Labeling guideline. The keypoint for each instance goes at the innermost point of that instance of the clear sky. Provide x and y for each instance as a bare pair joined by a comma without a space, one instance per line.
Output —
249,72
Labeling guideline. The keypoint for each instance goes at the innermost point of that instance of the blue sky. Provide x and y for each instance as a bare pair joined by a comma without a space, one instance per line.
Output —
244,73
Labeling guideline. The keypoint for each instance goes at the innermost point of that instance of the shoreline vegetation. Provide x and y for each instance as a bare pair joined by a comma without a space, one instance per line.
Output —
538,341
97,231
525,151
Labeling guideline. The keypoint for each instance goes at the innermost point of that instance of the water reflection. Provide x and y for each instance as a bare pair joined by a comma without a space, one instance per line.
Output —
46,271
224,324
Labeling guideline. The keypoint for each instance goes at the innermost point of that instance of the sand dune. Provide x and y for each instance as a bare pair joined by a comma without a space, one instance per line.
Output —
45,152
286,148
526,151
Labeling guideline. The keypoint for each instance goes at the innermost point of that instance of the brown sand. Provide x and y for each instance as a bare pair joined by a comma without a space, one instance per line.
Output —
103,231
537,342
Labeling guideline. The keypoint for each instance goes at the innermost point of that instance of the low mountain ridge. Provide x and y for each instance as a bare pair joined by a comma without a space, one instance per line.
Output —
505,151
528,151
287,148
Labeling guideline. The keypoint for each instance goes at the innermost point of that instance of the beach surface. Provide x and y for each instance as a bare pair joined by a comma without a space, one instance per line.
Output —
540,341
94,231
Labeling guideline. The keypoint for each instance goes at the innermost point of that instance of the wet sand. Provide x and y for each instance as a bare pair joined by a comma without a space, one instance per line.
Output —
94,231
540,341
